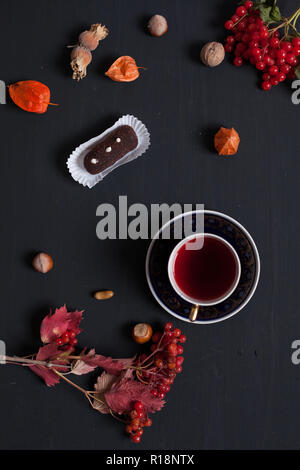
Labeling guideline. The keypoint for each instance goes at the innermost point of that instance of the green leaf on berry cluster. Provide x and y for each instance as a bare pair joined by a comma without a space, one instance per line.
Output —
269,11
297,72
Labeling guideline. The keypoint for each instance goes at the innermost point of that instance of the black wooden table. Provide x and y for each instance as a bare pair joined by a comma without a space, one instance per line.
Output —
239,389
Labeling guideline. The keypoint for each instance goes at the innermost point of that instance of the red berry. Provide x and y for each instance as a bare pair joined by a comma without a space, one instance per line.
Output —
179,360
154,393
229,25
136,439
296,50
253,44
139,432
135,424
138,405
65,337
260,65
238,61
148,422
241,11
296,42
274,81
178,369
281,77
285,68
268,60
255,51
159,363
156,337
230,40
228,48
129,429
266,85
161,395
274,42
140,414
73,341
172,349
162,388
179,349
59,341
182,339
264,32
168,326
235,18
248,5
273,70
281,54
71,333
266,76
177,332
242,25
290,58
287,46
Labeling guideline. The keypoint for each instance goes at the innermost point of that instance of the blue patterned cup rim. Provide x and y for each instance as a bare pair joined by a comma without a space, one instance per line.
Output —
253,288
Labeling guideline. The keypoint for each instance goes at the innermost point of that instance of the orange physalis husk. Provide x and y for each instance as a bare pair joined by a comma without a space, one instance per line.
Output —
30,95
227,141
124,69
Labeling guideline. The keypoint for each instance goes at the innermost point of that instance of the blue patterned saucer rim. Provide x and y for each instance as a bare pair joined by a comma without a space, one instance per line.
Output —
237,305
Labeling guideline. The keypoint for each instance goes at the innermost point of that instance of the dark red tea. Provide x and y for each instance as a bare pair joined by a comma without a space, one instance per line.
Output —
208,273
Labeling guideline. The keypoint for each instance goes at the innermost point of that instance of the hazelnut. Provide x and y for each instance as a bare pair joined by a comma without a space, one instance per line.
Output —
42,262
212,54
157,25
103,294
142,333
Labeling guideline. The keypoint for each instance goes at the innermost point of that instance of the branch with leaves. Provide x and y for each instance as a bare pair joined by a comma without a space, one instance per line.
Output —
127,389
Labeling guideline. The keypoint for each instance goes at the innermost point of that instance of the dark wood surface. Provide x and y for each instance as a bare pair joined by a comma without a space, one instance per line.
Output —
239,389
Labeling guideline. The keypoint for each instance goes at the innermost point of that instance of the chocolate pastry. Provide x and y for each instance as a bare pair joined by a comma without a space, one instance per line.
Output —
107,152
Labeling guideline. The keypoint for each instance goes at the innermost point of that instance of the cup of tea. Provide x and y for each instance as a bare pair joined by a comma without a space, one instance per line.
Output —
204,269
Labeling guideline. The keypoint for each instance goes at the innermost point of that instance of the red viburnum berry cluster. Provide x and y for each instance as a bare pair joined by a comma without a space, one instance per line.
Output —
67,339
252,40
158,371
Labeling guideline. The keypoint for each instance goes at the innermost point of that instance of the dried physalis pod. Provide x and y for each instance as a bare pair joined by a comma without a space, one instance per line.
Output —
30,95
90,39
124,69
80,59
227,141
81,55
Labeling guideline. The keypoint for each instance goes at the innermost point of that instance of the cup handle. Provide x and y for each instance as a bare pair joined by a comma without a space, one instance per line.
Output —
194,313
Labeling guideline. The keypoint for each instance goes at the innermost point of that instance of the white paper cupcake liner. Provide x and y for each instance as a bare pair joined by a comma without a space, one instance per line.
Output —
76,159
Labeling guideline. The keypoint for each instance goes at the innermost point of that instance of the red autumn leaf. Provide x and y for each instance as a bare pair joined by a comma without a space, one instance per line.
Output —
111,366
122,394
104,383
49,352
55,325
46,374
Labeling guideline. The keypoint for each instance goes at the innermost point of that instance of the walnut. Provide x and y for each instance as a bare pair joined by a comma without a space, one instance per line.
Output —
212,54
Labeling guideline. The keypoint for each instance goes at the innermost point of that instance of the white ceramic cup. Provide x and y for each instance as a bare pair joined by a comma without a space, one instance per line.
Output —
199,237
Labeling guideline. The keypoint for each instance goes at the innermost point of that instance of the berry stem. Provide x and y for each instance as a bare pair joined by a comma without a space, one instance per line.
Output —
23,361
